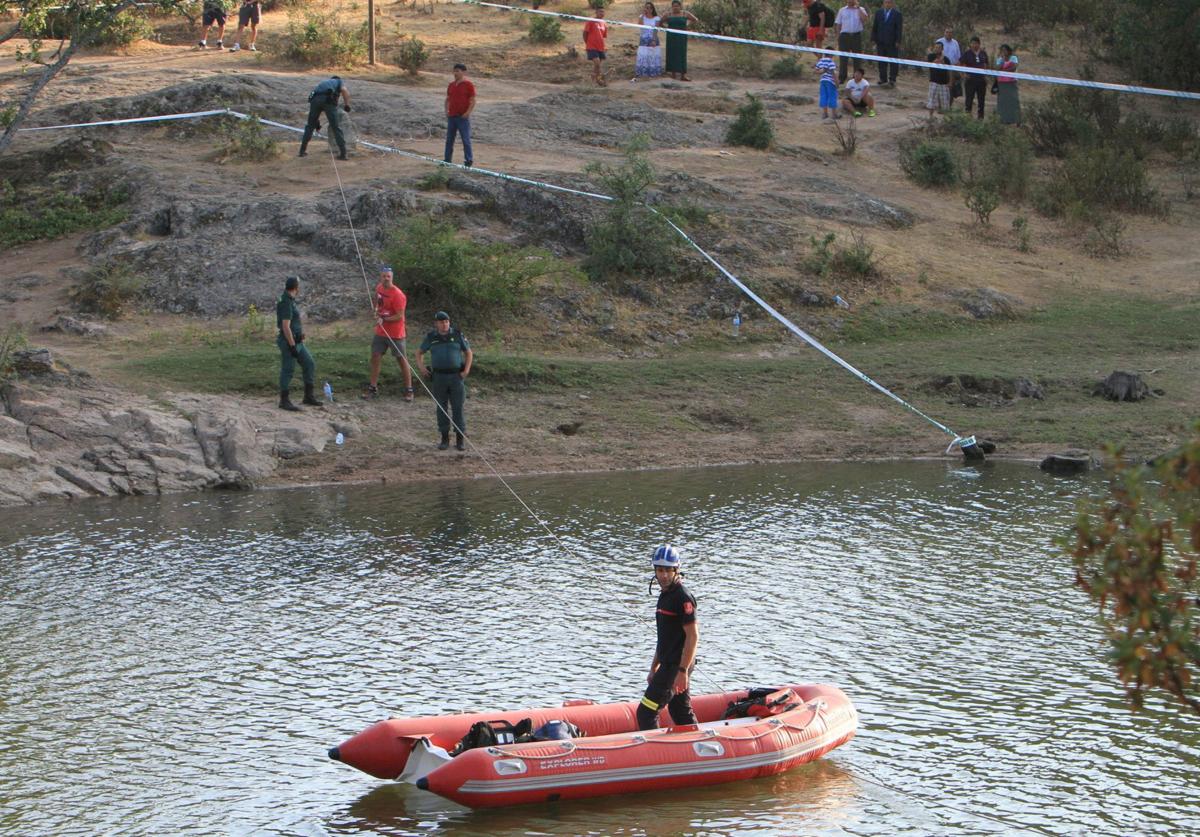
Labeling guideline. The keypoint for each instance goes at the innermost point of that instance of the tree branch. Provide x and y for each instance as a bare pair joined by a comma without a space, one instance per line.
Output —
48,74
11,33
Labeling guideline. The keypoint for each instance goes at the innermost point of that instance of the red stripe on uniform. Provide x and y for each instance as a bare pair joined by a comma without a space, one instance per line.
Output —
667,612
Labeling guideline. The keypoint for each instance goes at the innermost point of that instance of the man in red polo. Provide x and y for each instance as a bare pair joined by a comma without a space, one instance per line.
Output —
460,102
390,304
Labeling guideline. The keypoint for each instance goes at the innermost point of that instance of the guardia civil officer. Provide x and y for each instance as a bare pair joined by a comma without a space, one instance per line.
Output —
324,99
675,652
290,341
450,359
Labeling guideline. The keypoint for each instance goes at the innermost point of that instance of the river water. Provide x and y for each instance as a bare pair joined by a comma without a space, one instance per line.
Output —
179,665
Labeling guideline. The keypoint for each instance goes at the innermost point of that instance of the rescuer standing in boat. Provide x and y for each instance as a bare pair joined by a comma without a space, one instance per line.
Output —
675,653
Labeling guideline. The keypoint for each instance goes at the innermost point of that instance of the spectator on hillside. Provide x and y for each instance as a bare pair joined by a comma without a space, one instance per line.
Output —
886,31
249,15
460,104
857,95
1008,103
828,89
953,52
594,34
649,62
849,22
976,85
939,81
677,44
820,18
214,14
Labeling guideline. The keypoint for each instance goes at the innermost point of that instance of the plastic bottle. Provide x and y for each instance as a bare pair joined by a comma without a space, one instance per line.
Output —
329,394
737,322
841,303
340,439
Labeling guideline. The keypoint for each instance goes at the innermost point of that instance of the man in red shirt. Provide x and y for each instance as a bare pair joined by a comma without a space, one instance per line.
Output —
460,101
390,303
594,33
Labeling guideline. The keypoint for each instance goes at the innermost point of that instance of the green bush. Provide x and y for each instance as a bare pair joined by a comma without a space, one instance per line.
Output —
1106,238
1009,163
745,60
966,127
545,30
12,340
1103,177
43,214
436,181
828,260
411,54
245,139
788,67
318,37
1024,234
630,238
982,199
438,267
929,162
751,127
106,290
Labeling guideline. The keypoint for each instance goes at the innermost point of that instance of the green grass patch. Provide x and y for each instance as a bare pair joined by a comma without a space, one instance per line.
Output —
39,214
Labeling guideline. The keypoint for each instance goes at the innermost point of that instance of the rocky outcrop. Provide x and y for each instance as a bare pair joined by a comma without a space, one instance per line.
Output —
979,391
986,303
1122,386
63,437
1069,462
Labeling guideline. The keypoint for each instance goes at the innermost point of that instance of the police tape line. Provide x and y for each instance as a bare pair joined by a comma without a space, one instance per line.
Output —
907,62
541,184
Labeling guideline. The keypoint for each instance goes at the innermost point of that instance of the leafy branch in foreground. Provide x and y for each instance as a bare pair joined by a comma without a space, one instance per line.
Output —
1135,553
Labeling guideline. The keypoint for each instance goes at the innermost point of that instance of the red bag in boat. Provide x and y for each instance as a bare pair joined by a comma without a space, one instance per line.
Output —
774,704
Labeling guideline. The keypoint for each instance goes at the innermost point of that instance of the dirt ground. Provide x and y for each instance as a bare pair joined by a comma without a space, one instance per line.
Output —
764,229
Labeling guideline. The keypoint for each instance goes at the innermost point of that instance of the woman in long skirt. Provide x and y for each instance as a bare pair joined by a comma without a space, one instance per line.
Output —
677,44
649,55
1008,102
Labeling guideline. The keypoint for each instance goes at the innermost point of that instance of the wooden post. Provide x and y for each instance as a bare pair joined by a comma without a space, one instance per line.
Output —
371,32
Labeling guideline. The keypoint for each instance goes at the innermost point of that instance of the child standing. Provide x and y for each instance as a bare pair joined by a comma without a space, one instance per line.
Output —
594,33
829,92
939,81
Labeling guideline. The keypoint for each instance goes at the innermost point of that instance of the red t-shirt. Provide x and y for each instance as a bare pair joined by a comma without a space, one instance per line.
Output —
594,33
459,95
387,304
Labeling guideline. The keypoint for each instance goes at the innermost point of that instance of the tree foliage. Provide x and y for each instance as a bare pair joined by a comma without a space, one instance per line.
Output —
73,24
1135,553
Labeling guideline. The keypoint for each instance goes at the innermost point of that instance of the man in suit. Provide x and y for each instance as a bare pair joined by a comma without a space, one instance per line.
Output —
886,31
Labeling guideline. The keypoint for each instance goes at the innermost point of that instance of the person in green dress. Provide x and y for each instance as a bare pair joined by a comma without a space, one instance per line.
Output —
676,64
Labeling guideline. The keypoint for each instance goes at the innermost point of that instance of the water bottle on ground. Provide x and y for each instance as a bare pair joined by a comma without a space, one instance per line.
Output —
340,438
737,323
329,394
841,303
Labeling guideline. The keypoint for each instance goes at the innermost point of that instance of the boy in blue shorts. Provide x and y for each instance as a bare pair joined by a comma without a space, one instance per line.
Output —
829,91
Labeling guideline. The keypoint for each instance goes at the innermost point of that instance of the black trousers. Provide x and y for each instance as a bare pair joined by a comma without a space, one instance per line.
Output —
849,42
315,109
660,691
976,86
888,70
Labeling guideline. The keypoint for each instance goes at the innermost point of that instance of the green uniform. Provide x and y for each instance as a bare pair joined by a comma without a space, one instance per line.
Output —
323,100
287,309
447,358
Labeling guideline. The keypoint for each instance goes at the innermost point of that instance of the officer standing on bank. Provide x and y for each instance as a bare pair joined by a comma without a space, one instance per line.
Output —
669,681
290,341
450,359
324,99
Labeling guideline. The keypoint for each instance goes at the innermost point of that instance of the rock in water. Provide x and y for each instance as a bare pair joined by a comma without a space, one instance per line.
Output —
1068,462
1122,386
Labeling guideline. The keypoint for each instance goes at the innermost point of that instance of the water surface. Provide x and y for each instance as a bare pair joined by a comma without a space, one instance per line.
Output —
179,665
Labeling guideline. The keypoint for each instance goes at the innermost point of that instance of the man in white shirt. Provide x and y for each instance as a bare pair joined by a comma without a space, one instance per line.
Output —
857,98
953,53
849,23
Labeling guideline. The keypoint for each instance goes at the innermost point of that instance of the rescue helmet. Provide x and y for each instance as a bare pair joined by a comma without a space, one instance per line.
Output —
666,556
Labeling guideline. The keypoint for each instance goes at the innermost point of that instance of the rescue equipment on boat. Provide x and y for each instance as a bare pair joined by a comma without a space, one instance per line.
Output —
794,725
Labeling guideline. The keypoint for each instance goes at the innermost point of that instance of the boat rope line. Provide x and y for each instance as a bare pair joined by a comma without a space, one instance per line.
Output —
866,56
956,439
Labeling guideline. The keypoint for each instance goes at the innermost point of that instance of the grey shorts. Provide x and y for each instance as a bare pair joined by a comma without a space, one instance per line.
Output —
382,345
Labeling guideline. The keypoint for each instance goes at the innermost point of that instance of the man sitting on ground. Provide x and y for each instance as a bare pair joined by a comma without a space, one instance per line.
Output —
857,95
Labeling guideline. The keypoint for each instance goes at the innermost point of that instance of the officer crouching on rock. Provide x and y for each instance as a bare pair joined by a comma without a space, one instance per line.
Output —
291,347
450,357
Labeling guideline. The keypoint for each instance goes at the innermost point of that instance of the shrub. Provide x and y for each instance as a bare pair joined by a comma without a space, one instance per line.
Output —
854,262
1020,226
317,36
1106,238
1099,177
435,265
1009,163
847,137
12,340
245,139
929,163
751,127
106,290
687,214
982,199
255,324
630,238
544,30
127,27
44,214
745,60
411,54
788,66
965,126
436,181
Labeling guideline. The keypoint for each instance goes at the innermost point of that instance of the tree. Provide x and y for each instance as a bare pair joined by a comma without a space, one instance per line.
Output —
74,24
1136,553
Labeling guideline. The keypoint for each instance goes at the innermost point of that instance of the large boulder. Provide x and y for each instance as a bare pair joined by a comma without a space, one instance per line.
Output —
1122,386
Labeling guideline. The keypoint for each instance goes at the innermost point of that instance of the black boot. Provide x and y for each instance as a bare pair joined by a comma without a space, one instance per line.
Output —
445,443
285,402
458,442
303,150
310,399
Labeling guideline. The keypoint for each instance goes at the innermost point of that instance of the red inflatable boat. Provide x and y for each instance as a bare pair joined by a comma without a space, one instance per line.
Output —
612,756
